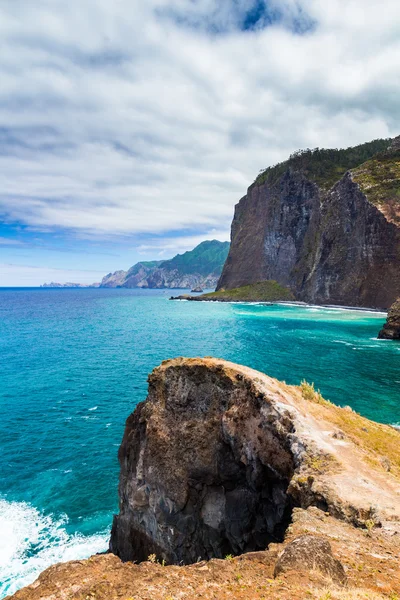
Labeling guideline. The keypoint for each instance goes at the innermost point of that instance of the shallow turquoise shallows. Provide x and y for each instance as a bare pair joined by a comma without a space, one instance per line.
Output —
74,363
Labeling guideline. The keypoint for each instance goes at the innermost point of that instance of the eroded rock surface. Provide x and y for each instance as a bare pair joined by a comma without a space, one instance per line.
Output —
391,329
205,466
214,460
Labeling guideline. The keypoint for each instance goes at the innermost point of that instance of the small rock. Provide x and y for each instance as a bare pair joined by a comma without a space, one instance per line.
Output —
311,553
385,462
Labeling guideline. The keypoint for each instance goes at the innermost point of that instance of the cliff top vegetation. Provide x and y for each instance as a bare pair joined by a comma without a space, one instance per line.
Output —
263,291
208,257
324,166
379,179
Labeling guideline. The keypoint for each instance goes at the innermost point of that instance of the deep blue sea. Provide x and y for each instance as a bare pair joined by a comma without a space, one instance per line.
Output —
74,363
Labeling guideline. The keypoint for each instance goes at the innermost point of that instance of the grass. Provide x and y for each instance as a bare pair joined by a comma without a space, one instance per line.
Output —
263,291
309,393
380,441
379,179
324,166
347,594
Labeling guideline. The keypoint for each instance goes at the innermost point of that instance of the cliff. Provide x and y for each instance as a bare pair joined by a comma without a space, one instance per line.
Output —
222,460
326,224
391,329
200,267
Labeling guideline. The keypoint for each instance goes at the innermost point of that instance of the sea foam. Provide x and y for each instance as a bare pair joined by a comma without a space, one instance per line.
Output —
30,542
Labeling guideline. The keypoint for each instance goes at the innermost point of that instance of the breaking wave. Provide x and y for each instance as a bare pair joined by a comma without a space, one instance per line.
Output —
30,542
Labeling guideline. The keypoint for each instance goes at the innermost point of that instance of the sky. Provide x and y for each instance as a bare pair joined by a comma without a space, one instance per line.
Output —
130,129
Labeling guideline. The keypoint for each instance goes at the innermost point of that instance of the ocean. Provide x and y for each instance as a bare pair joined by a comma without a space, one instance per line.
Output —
74,364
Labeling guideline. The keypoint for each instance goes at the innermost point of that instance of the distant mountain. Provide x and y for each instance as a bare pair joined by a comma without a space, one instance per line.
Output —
53,284
200,267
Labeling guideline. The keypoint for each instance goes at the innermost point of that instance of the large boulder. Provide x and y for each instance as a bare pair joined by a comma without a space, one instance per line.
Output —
391,329
311,553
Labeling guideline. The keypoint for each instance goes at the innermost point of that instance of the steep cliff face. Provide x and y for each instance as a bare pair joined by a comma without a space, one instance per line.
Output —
215,459
338,245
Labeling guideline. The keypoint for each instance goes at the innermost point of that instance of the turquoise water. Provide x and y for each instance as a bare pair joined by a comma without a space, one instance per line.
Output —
74,364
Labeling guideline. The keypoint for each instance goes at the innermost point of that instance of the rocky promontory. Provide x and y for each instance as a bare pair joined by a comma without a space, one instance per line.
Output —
262,291
263,490
326,224
391,329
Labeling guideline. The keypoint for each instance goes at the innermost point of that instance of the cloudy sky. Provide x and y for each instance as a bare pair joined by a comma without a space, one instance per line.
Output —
129,129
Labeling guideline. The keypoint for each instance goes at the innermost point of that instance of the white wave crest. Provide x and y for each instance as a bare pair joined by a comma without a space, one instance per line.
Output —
30,542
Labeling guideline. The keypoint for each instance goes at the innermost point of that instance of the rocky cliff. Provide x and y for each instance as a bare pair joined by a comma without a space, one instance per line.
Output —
391,329
324,223
200,267
215,459
222,460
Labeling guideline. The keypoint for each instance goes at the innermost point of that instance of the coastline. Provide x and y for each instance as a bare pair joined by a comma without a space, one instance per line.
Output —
283,303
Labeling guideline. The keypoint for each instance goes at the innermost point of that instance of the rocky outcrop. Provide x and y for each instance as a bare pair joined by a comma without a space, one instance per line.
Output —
310,553
215,459
391,329
330,245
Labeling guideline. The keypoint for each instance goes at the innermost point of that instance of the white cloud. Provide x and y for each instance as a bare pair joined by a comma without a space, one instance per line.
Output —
168,247
10,242
118,119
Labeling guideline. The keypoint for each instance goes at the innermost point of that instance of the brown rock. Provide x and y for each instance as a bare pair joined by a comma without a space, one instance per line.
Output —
391,329
311,553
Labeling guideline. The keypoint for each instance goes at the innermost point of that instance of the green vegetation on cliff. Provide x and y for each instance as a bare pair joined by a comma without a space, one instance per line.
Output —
324,166
379,179
149,264
263,291
207,258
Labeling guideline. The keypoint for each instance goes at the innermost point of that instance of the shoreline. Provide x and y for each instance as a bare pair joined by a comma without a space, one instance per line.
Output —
298,303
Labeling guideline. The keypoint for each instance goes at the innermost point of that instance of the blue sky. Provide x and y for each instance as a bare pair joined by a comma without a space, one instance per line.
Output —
129,130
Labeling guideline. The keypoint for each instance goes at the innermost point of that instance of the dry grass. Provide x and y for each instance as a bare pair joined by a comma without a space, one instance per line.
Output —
347,594
379,180
309,393
381,442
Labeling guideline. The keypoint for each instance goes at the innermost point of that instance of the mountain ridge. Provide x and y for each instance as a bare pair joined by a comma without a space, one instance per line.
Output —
200,267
